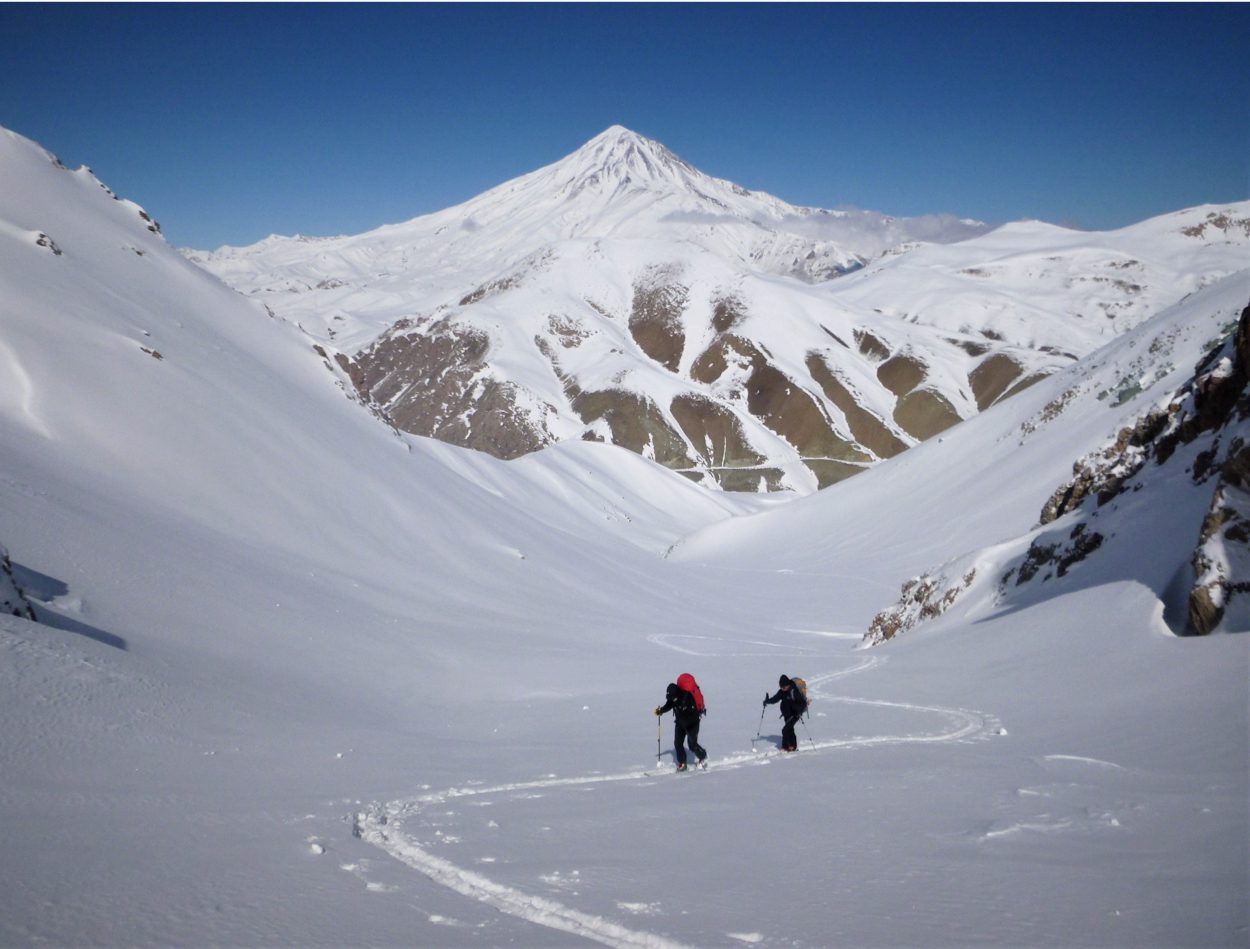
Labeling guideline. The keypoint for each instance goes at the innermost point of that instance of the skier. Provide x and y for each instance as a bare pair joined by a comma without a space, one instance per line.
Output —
686,714
793,705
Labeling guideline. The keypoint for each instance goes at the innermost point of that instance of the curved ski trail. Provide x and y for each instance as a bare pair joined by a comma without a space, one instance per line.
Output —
381,824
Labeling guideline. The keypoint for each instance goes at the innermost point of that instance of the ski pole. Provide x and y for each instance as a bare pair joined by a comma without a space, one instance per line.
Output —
760,728
657,739
806,732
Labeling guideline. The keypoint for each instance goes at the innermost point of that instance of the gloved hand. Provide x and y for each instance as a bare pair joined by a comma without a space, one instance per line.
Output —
658,710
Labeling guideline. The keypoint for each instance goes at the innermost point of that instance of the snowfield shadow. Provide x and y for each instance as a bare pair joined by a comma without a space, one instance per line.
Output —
53,600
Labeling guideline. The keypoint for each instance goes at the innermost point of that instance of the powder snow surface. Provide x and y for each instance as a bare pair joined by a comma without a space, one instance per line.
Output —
300,680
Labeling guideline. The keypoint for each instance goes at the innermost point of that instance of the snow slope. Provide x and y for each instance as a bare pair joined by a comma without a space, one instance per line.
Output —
301,680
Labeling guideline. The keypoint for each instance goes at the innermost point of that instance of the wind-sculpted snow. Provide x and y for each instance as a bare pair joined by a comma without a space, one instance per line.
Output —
400,827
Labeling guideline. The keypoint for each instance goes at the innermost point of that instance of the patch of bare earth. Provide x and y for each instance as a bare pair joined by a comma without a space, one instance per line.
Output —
901,373
870,346
924,413
868,430
714,431
655,318
429,382
636,423
992,377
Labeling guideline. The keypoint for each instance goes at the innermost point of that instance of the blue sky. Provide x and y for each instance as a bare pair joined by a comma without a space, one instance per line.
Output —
231,122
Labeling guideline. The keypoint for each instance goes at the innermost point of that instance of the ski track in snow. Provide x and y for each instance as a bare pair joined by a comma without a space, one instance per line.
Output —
381,824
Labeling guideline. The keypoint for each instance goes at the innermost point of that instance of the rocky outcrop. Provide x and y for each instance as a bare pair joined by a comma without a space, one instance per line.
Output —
13,601
1049,558
1204,426
921,598
431,380
1211,413
1221,561
655,318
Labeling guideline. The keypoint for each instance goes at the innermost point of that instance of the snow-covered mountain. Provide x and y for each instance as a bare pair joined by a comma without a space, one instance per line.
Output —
621,295
301,678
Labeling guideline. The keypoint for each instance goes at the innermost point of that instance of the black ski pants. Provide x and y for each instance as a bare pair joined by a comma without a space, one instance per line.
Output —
789,741
687,731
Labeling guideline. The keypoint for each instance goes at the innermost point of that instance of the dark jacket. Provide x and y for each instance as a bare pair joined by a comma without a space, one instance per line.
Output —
792,703
681,703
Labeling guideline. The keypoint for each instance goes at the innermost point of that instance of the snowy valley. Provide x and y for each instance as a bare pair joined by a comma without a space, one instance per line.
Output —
277,668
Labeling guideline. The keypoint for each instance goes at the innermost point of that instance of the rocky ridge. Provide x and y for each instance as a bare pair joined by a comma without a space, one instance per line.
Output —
1197,440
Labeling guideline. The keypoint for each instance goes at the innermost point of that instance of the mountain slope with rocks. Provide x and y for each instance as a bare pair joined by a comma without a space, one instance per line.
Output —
621,295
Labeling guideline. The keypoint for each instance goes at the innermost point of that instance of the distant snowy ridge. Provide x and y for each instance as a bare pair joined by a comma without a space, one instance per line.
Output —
622,295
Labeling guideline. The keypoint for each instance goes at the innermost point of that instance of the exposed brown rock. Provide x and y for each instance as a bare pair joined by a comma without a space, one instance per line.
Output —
1223,542
1220,221
790,411
715,432
920,599
570,332
870,346
829,472
713,361
727,312
901,373
1030,380
924,413
1062,555
636,423
748,479
427,383
867,429
655,319
1218,393
970,347
992,377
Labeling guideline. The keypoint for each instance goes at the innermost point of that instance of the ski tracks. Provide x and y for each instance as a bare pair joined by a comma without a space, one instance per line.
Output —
381,824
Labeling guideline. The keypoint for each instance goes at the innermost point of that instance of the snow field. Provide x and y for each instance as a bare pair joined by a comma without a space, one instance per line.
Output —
266,615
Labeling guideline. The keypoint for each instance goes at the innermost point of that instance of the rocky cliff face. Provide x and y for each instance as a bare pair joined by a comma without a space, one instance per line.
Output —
1185,459
1212,415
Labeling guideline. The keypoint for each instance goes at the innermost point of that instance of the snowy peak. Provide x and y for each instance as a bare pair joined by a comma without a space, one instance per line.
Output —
620,176
619,152
618,158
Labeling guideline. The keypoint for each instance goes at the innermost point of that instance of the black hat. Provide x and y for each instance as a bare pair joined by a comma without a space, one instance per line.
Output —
783,681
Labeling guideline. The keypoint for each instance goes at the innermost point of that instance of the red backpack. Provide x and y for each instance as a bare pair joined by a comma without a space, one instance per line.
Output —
686,683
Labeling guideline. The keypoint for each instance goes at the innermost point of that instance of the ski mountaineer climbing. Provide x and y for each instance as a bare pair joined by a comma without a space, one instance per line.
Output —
793,705
686,711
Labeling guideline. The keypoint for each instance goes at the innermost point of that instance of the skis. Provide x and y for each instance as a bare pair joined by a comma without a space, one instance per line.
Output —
700,766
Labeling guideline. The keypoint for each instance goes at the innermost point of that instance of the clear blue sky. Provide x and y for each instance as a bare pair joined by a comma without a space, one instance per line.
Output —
230,122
